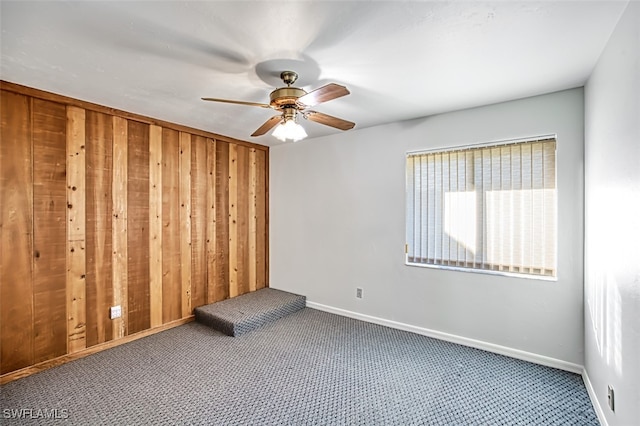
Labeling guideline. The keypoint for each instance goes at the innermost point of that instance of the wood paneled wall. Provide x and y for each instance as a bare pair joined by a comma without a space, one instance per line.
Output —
101,208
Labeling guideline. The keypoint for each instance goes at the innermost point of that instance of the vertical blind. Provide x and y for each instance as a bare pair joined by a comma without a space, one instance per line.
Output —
490,208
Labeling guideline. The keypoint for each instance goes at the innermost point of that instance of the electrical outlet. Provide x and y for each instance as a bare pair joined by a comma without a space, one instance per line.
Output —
358,293
115,312
610,398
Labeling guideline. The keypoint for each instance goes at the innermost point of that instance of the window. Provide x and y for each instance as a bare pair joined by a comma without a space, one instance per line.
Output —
489,208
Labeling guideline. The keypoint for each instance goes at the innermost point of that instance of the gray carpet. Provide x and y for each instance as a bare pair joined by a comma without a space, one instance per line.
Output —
309,368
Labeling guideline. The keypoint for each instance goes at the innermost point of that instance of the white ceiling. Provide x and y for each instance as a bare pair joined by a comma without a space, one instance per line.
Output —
400,60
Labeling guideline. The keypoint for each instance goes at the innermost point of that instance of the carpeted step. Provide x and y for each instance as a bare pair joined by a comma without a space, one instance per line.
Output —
249,311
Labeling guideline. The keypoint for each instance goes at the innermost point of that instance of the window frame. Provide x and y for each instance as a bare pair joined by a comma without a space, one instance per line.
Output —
410,192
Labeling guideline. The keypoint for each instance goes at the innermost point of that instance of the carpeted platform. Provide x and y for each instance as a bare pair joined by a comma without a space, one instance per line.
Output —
242,314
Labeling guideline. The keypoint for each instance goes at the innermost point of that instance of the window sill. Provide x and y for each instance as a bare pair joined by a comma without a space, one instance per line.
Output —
483,271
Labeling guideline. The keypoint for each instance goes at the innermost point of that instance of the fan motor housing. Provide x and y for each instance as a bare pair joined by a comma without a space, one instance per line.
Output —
285,96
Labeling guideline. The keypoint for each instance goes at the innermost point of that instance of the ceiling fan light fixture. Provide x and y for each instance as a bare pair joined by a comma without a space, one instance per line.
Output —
289,130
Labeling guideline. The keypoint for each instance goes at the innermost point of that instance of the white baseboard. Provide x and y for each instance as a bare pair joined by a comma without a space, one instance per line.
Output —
594,400
490,347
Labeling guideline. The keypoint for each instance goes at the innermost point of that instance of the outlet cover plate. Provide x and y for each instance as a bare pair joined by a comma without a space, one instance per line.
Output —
115,312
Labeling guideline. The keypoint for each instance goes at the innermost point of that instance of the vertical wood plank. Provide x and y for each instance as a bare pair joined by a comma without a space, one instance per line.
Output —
261,208
76,230
119,259
265,217
198,221
99,152
185,223
155,224
16,204
233,220
242,219
221,185
138,317
49,234
213,291
171,268
253,199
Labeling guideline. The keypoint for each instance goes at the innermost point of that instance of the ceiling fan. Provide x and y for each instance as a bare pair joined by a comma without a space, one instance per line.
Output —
291,101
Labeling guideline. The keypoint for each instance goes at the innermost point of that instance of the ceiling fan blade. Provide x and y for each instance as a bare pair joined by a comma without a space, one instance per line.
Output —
228,101
329,120
323,94
268,125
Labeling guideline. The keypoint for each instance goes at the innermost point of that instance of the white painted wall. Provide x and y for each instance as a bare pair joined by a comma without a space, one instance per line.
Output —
338,222
612,222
